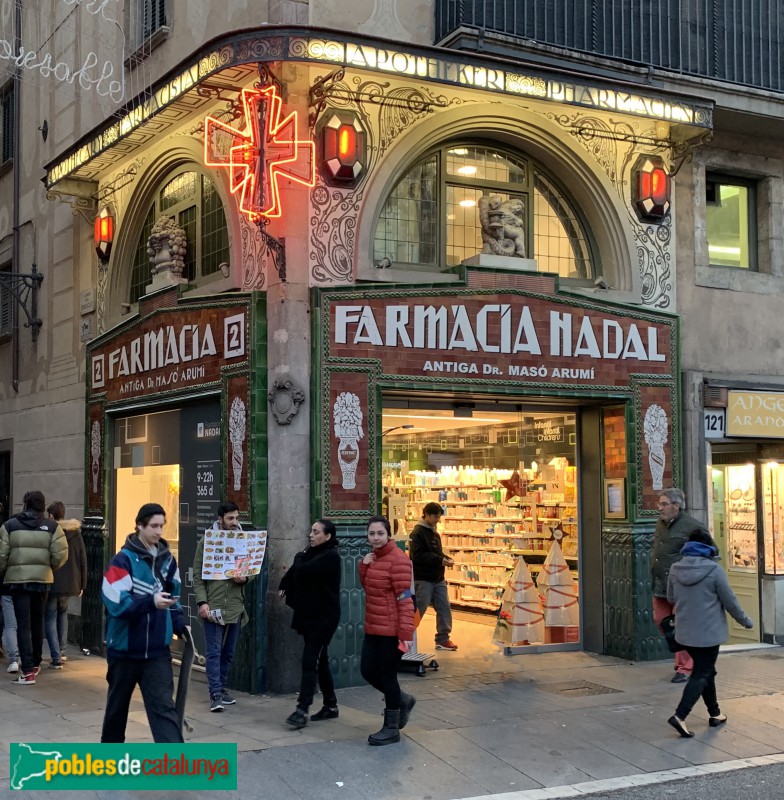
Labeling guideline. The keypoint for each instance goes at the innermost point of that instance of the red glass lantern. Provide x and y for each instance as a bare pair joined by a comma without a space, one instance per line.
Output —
343,141
104,234
652,186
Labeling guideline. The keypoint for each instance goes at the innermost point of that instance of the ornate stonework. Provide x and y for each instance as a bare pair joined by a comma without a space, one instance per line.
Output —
255,255
613,144
386,112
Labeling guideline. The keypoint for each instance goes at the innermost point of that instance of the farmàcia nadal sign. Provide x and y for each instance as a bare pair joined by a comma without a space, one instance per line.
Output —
501,336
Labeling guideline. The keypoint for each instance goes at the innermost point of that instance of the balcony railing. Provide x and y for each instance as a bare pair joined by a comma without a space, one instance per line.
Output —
728,40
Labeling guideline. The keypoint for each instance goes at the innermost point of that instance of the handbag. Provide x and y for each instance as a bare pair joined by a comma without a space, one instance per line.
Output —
668,629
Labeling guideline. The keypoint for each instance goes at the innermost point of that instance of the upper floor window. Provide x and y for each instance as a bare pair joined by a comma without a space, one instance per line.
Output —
731,221
192,199
430,220
6,306
7,122
153,17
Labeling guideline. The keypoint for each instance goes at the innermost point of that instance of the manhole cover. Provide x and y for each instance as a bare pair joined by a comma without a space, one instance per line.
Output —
771,657
577,689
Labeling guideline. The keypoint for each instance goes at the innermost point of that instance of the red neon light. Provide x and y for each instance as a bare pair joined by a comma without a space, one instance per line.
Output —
260,156
347,143
660,186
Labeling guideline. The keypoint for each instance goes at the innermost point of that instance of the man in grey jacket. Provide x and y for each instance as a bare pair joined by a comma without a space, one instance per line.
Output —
672,532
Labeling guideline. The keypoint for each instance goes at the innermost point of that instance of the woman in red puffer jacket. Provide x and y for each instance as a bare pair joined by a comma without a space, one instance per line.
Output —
386,576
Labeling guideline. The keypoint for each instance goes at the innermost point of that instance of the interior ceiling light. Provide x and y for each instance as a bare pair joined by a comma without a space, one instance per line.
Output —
468,170
439,419
467,203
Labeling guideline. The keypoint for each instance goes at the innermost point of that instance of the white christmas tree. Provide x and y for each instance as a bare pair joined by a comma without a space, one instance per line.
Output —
558,590
521,619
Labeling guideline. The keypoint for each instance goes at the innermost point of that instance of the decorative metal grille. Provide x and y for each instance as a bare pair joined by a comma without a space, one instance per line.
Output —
740,42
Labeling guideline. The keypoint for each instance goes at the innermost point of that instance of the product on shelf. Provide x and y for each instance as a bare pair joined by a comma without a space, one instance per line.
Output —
521,619
482,532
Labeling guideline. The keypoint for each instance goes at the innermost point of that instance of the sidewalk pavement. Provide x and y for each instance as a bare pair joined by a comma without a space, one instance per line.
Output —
485,725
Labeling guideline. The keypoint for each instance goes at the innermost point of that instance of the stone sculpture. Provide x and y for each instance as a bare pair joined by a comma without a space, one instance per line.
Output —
503,226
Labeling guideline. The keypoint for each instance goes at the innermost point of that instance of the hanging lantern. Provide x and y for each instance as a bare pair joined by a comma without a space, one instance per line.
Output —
104,234
652,186
343,142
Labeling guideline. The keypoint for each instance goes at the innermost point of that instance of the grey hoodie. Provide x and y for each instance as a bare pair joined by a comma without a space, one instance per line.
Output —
700,592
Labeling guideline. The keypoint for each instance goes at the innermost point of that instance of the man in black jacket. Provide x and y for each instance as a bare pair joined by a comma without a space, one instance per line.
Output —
427,556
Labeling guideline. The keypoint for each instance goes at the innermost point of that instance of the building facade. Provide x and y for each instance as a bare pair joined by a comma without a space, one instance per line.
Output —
423,258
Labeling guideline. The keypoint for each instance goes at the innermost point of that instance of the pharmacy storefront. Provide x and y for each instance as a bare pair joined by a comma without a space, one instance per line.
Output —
169,422
544,425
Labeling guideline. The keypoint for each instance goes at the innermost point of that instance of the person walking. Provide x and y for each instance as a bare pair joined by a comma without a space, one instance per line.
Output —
10,640
69,581
673,529
141,592
427,556
700,593
311,587
222,610
31,549
386,574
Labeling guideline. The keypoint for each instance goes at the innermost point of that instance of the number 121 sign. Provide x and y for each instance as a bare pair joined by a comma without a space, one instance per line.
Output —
715,423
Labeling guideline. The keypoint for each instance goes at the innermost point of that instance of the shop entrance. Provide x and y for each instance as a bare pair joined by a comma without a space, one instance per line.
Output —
735,532
170,457
507,480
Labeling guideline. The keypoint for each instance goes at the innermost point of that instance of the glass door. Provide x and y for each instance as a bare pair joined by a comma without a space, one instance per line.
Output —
735,531
773,517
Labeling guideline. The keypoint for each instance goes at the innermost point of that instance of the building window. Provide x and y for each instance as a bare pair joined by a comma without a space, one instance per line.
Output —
430,220
6,306
731,221
153,17
192,199
7,122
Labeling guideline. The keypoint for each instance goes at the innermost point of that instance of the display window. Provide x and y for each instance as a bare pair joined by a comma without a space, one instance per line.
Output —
506,481
773,516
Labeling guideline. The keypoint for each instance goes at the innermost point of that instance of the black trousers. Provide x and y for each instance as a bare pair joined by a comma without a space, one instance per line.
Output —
29,609
702,682
315,667
378,665
154,678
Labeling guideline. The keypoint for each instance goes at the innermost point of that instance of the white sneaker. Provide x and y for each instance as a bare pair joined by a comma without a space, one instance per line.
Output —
13,667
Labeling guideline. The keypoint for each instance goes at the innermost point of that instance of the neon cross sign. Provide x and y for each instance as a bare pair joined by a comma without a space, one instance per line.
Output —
258,157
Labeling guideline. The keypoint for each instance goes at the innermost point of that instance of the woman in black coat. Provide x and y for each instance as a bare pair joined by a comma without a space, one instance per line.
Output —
312,588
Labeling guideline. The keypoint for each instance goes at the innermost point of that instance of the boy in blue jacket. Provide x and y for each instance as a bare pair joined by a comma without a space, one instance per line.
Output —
141,592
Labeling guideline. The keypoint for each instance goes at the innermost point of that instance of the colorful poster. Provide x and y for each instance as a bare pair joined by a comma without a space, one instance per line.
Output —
232,554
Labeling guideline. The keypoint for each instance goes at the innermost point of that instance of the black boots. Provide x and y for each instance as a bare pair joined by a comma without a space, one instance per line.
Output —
325,713
299,719
390,733
407,702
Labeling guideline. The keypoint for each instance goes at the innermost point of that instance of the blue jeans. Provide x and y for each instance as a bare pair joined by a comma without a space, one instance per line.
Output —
435,594
56,625
10,641
221,640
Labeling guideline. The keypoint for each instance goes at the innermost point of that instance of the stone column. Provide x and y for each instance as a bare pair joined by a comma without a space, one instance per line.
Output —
695,480
288,359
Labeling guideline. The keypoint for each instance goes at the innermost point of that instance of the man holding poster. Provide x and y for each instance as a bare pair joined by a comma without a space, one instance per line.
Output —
221,599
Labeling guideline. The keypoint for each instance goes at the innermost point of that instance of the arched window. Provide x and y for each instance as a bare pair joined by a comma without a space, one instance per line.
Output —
192,199
430,220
